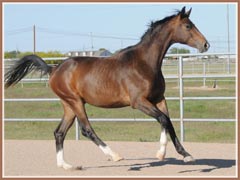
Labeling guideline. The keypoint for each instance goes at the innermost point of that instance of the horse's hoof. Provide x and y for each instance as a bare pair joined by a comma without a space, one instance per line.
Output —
79,168
188,159
69,167
160,156
117,157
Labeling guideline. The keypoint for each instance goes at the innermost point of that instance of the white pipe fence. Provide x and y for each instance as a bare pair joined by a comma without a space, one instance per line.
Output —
181,99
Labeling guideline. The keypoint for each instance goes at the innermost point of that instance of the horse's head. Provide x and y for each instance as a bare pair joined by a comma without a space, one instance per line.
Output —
186,32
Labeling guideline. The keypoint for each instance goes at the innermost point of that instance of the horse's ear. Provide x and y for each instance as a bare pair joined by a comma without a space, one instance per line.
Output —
182,12
189,12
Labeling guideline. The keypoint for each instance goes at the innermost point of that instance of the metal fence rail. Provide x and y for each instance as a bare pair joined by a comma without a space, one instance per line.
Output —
181,99
121,120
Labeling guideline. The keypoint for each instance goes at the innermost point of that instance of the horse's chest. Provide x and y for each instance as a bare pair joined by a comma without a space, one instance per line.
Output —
157,90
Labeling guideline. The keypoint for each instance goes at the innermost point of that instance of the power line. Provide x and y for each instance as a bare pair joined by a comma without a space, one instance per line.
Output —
18,31
34,39
91,35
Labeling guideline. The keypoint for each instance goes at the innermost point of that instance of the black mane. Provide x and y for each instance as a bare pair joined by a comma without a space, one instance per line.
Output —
152,26
155,24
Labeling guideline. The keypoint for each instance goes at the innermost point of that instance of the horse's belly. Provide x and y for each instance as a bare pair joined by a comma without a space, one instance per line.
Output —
107,102
106,98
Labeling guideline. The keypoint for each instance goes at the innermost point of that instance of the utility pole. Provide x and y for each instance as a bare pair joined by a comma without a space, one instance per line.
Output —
91,40
228,40
34,39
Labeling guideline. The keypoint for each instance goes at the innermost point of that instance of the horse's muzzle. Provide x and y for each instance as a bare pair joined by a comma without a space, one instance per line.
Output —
205,47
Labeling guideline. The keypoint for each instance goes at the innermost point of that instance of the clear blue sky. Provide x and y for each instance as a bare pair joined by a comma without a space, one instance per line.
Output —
66,27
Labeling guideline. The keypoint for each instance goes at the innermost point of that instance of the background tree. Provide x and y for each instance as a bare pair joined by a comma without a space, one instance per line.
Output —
11,54
176,50
18,54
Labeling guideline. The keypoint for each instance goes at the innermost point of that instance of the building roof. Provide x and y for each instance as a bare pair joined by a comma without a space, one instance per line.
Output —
98,53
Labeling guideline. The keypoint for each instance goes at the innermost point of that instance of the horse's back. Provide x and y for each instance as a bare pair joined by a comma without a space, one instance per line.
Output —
98,81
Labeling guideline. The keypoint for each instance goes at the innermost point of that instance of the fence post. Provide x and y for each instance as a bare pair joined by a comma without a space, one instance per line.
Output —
77,129
181,98
204,74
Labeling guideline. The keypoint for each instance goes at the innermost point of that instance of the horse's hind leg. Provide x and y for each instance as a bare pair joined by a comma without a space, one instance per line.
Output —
88,131
60,133
147,107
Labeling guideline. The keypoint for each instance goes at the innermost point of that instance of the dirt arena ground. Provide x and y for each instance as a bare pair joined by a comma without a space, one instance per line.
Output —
38,158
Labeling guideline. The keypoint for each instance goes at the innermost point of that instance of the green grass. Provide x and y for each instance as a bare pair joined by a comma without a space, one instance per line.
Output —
193,109
220,132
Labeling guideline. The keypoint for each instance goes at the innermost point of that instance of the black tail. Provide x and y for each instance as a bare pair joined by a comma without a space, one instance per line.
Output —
24,66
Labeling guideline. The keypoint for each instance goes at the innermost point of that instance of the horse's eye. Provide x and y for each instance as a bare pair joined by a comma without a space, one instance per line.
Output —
188,26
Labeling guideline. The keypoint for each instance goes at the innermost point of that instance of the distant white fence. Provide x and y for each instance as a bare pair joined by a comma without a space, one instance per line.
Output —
181,98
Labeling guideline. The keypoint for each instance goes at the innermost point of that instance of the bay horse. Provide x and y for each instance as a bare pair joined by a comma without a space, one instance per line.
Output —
130,77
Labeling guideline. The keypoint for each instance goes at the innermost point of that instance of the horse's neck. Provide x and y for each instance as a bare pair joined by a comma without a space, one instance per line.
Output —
154,52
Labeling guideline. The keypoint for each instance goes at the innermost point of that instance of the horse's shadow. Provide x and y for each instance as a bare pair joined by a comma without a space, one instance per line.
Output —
212,164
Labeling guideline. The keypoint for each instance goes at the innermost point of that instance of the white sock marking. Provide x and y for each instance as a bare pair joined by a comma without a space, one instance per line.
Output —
61,162
163,142
106,150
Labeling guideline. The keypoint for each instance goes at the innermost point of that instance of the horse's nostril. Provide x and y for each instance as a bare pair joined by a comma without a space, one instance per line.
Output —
206,45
